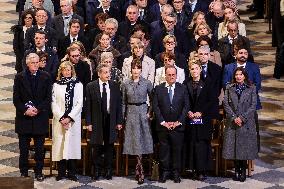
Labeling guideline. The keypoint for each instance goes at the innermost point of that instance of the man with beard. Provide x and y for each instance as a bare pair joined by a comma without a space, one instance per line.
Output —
253,75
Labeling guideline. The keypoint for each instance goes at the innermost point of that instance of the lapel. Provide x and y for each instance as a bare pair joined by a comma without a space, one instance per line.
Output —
165,94
39,83
27,83
244,95
233,96
176,91
112,95
61,22
199,89
190,89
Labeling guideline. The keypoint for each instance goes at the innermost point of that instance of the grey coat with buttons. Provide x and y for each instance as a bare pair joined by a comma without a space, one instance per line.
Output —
240,142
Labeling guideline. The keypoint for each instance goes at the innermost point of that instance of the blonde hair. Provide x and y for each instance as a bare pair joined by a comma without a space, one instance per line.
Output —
202,24
64,65
193,61
193,21
167,37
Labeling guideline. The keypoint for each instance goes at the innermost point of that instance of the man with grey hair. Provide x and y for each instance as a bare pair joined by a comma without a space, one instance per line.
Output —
212,76
169,27
117,41
115,73
61,22
32,98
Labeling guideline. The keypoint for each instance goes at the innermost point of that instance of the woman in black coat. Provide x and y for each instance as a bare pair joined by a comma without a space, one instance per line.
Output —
198,128
27,20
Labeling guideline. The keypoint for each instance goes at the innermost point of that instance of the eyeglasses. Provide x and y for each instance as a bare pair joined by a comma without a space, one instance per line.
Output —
75,56
29,17
170,43
170,22
177,2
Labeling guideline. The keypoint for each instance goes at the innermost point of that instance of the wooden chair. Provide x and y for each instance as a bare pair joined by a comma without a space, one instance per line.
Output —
84,144
216,143
47,147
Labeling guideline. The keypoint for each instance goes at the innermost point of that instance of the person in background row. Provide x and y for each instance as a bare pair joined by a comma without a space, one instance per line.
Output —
199,126
103,117
137,134
240,136
170,104
115,73
42,59
67,103
27,20
32,99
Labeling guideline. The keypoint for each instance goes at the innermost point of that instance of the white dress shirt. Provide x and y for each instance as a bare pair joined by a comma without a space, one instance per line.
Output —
107,91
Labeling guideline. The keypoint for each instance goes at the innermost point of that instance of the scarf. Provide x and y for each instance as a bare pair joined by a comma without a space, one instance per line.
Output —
240,88
70,82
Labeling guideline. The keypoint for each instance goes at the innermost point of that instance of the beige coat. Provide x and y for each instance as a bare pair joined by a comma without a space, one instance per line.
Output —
66,144
148,68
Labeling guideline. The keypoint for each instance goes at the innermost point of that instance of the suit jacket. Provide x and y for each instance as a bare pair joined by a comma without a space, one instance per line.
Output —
65,42
225,49
203,103
201,5
113,12
125,28
184,20
155,11
29,41
253,74
155,26
94,114
147,17
18,46
58,25
41,98
165,111
148,68
52,63
214,79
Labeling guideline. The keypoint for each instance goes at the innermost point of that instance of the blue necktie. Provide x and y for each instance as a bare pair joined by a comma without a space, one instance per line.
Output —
170,94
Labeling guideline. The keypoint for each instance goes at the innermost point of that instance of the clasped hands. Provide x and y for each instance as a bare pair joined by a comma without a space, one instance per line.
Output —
31,111
195,115
238,121
171,125
65,122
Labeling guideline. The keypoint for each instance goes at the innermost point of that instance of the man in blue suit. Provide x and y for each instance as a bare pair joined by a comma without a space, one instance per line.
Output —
253,74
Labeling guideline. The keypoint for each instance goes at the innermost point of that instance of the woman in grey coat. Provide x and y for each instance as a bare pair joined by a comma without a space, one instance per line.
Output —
137,134
240,141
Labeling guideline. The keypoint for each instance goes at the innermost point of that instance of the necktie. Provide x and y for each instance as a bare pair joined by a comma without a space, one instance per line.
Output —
66,17
179,18
40,28
170,94
74,39
141,14
204,71
104,99
190,7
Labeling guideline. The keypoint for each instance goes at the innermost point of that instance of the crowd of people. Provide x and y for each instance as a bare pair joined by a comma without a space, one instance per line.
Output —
157,69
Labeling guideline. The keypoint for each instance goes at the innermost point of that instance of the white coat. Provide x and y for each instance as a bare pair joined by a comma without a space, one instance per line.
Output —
66,144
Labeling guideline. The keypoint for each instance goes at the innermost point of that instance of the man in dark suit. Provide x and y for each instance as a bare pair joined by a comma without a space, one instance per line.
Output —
52,63
183,18
211,76
170,106
107,7
156,9
41,18
193,6
61,22
169,28
144,12
125,28
225,44
158,25
32,98
103,117
64,43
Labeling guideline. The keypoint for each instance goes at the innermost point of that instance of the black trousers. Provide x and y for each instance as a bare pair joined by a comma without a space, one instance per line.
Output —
259,5
170,155
24,145
103,154
69,165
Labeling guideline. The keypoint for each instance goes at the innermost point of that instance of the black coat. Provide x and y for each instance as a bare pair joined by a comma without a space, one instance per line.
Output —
165,111
113,12
125,28
214,79
83,73
58,25
18,46
203,103
52,63
29,41
94,114
41,98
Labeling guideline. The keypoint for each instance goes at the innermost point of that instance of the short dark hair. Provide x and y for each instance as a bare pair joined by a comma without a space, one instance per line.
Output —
170,55
136,63
247,81
25,13
42,32
74,21
101,16
204,38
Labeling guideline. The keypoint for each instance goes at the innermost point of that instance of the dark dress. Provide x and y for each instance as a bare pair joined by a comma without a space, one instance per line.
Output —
198,136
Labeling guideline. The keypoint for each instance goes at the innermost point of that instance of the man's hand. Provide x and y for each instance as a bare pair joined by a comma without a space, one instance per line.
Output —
119,126
32,111
190,115
238,121
197,115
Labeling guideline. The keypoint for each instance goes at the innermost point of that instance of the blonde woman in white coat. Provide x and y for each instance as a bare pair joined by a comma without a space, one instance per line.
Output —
148,64
169,60
67,102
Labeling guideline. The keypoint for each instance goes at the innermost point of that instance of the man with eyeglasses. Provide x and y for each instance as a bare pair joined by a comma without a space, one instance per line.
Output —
169,29
212,76
227,43
32,99
61,22
41,24
158,24
52,63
